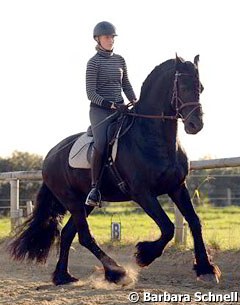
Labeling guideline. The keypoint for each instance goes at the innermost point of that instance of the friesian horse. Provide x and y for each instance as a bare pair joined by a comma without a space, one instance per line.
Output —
151,161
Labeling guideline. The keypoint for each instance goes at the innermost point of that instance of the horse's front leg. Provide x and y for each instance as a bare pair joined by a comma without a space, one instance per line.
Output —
203,267
148,251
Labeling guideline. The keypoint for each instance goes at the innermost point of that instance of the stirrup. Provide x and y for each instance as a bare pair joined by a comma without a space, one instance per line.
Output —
91,202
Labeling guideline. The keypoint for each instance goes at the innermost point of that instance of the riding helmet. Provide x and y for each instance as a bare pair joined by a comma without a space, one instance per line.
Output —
104,28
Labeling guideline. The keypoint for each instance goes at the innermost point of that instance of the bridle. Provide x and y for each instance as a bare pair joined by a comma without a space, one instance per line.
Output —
176,103
179,104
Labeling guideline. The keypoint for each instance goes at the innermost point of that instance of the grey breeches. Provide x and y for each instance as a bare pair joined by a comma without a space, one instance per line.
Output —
97,115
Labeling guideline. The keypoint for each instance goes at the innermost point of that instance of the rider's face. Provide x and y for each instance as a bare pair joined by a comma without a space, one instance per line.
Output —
106,41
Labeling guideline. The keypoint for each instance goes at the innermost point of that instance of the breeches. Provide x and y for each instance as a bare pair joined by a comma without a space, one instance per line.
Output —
99,130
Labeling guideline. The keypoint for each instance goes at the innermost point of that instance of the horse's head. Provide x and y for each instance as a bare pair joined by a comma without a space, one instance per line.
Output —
186,92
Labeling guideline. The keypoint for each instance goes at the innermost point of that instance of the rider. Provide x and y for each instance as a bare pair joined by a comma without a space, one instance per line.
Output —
106,78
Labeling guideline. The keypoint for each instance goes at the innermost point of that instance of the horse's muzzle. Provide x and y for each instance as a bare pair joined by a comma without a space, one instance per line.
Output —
193,126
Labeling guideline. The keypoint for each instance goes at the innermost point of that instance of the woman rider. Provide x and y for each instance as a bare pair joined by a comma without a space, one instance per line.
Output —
106,78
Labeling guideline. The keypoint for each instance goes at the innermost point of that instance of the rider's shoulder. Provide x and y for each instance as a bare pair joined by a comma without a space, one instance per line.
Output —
120,57
93,60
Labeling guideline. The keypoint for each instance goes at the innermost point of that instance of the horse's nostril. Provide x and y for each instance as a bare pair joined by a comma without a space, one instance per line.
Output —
192,125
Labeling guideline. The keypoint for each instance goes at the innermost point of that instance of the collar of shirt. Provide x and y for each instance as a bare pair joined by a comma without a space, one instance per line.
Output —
104,53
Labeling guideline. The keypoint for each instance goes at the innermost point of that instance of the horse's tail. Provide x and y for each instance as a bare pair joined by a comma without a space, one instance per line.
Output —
37,234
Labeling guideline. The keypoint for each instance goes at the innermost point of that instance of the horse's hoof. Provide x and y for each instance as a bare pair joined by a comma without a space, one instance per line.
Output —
139,259
209,274
208,278
125,281
115,274
63,279
145,254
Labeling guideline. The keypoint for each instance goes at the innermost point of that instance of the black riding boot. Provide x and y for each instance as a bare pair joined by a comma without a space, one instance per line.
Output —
94,196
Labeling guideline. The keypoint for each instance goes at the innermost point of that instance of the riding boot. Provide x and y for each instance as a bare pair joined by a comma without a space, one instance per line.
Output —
94,196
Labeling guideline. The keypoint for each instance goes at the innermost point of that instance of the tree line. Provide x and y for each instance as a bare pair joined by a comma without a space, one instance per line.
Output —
19,161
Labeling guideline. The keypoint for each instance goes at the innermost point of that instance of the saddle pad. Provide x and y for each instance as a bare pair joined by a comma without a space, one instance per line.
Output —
78,156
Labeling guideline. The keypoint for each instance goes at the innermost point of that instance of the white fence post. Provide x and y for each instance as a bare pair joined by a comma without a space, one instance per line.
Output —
229,196
15,212
29,207
179,227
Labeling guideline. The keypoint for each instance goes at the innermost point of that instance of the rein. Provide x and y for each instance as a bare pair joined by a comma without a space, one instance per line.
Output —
149,116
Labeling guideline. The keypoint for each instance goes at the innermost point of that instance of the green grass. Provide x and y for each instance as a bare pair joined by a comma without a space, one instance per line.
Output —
5,227
221,226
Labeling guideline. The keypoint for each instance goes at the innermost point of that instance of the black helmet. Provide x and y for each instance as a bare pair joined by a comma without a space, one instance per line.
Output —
104,28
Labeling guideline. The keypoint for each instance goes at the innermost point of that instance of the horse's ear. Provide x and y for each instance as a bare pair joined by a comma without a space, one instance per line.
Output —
196,60
179,61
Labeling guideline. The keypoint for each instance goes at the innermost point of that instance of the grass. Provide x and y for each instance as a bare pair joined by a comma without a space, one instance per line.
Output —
221,226
5,227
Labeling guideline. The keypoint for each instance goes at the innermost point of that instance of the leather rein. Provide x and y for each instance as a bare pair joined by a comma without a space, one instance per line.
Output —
179,105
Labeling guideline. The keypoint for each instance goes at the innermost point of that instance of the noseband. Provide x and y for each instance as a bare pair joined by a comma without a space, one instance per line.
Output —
176,103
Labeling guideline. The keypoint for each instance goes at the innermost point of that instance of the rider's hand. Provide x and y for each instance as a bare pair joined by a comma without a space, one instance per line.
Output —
122,108
108,104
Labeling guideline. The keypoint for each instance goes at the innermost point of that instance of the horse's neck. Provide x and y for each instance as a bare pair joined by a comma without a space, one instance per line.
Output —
155,137
155,97
156,134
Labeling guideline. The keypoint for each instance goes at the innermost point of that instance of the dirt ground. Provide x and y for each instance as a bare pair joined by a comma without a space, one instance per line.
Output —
22,283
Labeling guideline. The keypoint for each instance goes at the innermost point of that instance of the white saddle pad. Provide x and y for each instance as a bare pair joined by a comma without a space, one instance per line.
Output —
79,152
78,156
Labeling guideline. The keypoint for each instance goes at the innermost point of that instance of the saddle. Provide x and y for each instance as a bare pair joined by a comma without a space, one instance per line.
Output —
80,153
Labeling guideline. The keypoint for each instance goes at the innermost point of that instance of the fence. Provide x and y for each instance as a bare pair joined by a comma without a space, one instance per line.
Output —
15,177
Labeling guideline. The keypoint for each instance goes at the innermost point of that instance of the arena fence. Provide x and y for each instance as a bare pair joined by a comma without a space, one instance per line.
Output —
180,228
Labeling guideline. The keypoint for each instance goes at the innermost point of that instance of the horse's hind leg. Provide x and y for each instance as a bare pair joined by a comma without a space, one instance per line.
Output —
204,269
148,251
61,274
113,272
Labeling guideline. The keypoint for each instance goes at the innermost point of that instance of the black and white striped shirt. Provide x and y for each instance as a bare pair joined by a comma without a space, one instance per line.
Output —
106,78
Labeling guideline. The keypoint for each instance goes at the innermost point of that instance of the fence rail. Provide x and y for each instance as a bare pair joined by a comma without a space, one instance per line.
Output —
14,177
194,165
21,175
215,163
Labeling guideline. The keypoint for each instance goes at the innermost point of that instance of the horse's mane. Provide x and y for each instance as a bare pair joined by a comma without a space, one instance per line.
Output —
163,67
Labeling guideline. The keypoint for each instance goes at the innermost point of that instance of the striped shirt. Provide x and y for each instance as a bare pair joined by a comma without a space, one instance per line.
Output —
106,78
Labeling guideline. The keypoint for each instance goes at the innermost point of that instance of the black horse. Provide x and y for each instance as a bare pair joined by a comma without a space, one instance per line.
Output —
151,161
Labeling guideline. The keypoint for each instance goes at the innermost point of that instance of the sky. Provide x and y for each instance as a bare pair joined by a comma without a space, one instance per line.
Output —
45,46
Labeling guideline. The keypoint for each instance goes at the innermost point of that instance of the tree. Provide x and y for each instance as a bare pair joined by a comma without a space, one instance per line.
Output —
20,161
